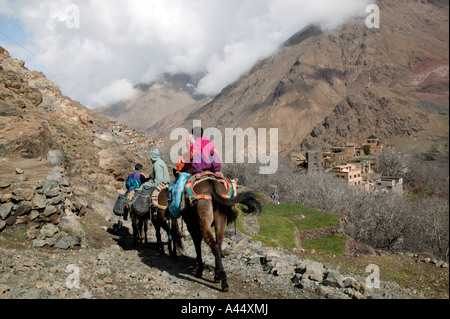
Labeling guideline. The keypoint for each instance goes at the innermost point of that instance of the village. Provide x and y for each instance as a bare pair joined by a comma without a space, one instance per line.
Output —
353,163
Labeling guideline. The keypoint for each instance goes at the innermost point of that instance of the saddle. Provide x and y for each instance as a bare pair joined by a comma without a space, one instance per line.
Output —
155,195
193,196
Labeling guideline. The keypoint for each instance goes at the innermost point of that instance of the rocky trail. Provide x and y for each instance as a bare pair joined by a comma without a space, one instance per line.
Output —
119,271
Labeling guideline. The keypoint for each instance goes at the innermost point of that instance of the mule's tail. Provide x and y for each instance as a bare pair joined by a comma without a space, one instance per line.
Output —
248,203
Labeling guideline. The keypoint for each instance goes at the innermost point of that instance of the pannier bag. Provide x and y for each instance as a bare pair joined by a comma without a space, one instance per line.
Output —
142,199
119,205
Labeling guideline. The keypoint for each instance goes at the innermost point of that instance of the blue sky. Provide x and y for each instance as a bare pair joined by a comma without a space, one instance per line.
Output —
13,29
96,51
14,39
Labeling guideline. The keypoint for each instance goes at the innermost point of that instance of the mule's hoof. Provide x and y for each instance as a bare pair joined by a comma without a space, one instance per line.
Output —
225,287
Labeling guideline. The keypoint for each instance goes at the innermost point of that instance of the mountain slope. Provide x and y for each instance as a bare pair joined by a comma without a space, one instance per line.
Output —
308,81
168,94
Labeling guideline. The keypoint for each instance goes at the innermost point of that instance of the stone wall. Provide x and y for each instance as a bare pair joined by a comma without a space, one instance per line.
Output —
46,209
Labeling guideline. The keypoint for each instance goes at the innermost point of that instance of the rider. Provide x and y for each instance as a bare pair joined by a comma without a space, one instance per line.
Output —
205,156
160,173
134,180
183,166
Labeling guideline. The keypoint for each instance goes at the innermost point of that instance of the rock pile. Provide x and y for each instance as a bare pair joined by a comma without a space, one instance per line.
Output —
314,278
45,209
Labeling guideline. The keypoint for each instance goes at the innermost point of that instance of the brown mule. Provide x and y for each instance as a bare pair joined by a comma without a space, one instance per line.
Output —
202,214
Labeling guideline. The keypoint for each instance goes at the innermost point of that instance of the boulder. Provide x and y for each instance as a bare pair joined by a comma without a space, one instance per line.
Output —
311,270
334,279
5,210
70,223
55,158
282,268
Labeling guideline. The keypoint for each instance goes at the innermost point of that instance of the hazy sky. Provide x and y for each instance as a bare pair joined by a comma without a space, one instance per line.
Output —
96,50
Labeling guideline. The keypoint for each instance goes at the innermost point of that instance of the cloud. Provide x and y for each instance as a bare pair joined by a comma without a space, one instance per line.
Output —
119,42
119,90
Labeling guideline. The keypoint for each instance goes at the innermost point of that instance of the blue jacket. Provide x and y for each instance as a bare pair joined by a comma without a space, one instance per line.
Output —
135,180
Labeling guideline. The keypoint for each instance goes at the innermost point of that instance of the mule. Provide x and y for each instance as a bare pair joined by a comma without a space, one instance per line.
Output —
159,221
200,215
139,223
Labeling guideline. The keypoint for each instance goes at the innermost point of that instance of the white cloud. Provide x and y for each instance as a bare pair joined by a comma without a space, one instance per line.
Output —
129,41
119,90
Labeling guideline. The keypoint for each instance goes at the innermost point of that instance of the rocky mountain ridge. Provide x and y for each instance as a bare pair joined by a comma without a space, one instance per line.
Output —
325,88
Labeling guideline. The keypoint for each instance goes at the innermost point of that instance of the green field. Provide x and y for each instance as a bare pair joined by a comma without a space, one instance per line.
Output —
278,225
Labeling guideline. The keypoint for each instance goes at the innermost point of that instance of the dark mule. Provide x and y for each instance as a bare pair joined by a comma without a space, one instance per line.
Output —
201,215
140,226
160,221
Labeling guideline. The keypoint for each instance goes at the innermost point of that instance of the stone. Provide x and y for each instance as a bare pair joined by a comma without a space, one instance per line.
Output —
282,268
271,255
49,230
11,220
39,243
50,188
38,202
334,279
4,184
55,157
22,194
71,224
5,210
55,200
23,208
50,210
307,284
5,198
33,233
2,225
311,270
64,243
50,241
55,219
19,171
